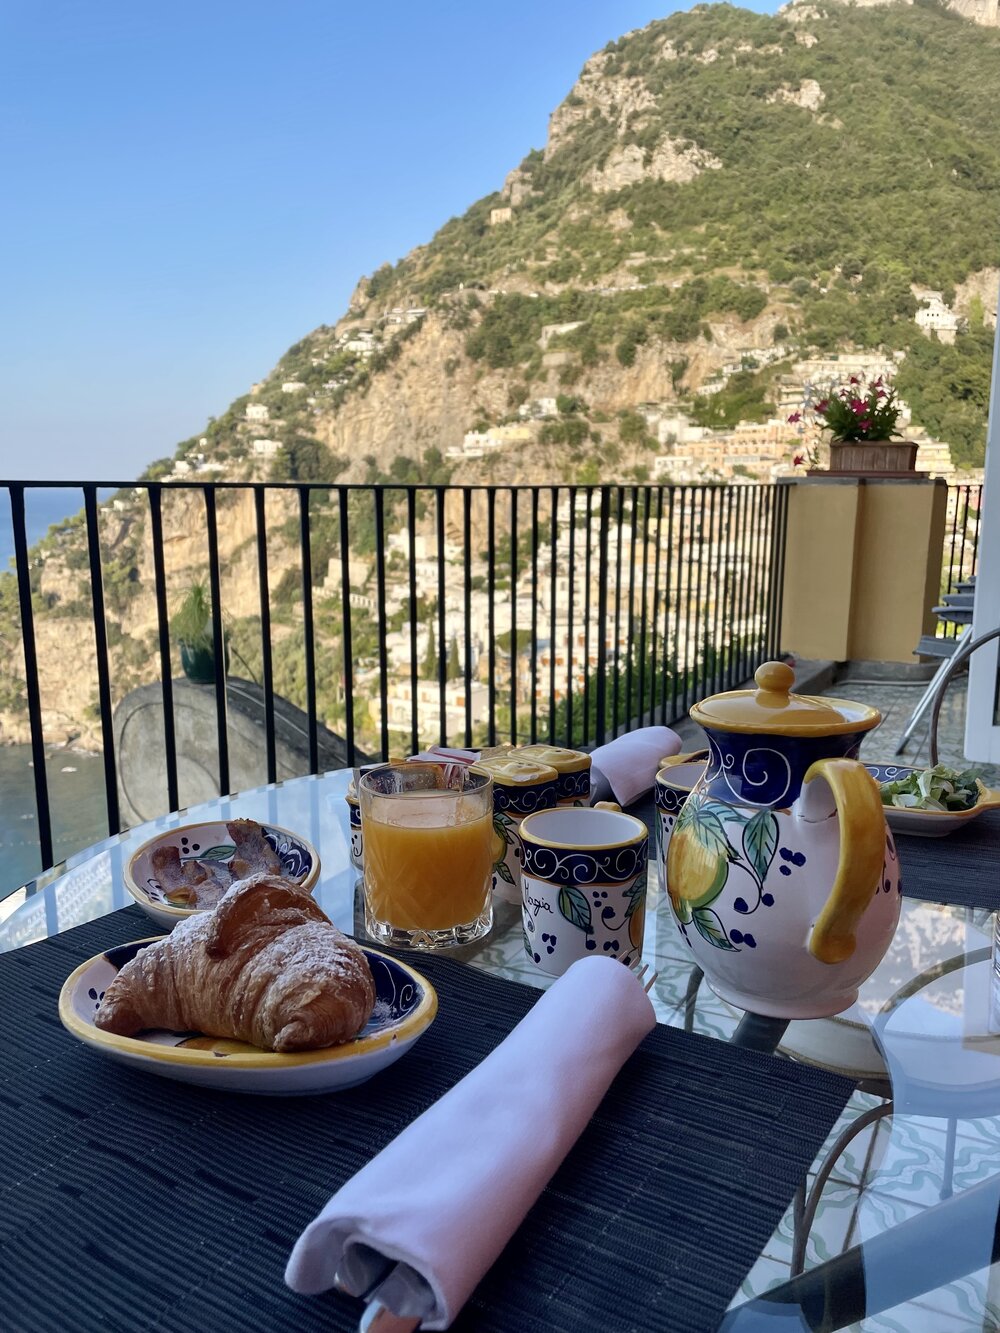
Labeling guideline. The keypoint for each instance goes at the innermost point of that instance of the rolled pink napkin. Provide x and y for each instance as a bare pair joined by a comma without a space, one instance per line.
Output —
631,761
440,1202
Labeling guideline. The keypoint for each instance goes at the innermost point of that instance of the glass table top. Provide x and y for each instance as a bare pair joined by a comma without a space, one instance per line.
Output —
925,1033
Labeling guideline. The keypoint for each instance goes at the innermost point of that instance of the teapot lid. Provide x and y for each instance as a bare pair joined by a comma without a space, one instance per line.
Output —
771,708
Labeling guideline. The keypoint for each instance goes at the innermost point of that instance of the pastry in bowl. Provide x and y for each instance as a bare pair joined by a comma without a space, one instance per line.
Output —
267,967
187,869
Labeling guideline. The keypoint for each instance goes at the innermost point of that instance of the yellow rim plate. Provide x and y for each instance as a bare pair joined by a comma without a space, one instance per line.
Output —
411,1026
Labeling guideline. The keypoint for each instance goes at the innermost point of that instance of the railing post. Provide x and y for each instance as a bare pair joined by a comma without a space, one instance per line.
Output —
601,683
218,644
31,673
154,495
101,645
383,656
267,664
345,588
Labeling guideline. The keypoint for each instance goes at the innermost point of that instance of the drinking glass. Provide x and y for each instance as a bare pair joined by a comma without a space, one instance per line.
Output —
429,852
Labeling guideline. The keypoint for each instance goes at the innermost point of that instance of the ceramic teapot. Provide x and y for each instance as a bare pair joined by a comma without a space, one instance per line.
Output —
781,871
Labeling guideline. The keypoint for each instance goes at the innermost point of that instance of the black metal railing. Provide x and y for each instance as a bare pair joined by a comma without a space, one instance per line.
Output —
961,543
396,616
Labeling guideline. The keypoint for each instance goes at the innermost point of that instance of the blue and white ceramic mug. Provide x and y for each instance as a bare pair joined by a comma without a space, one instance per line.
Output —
357,838
583,885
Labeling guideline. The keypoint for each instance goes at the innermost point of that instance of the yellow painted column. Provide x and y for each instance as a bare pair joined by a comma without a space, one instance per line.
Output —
819,567
862,566
897,576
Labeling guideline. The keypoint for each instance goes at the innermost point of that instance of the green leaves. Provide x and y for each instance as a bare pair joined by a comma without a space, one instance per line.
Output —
502,871
710,928
707,820
502,825
760,842
575,908
221,853
636,895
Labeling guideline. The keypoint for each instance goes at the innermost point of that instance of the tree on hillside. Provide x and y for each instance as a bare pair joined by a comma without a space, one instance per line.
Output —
304,459
454,668
429,669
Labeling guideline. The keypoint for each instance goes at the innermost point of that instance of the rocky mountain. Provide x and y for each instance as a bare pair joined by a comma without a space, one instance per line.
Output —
716,184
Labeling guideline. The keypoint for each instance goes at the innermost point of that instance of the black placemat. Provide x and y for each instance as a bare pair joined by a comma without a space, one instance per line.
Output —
962,868
131,1203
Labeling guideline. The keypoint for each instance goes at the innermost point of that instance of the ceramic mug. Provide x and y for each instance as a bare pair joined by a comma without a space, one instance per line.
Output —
674,783
583,885
357,839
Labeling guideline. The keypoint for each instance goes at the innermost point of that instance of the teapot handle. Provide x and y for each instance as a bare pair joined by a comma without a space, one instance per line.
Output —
862,854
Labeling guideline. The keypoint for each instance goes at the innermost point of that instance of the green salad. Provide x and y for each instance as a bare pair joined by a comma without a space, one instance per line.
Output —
937,788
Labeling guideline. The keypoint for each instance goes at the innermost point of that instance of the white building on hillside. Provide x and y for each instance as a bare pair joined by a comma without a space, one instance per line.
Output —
934,316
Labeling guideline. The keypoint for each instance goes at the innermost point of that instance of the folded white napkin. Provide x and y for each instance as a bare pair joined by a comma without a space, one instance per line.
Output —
442,1200
630,762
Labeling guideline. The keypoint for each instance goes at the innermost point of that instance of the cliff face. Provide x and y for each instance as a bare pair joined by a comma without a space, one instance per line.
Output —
64,635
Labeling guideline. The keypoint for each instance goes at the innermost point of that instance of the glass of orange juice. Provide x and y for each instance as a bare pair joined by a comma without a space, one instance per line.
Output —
429,852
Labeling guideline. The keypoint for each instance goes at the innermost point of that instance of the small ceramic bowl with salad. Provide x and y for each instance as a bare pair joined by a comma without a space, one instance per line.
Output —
931,802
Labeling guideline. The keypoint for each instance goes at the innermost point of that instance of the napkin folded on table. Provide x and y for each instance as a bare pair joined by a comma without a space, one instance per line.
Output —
444,1197
631,761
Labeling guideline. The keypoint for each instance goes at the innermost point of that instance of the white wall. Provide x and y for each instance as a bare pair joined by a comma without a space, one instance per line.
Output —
982,726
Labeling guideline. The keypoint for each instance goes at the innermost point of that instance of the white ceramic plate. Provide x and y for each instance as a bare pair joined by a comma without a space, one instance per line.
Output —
405,1006
210,841
929,823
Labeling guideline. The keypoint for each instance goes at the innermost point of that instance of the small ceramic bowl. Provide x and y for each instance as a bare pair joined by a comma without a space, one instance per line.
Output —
929,823
405,1006
210,842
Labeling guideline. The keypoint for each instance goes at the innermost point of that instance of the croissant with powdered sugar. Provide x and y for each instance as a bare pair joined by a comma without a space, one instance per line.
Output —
267,967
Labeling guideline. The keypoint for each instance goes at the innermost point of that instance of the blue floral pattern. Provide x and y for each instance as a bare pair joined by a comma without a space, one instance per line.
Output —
612,865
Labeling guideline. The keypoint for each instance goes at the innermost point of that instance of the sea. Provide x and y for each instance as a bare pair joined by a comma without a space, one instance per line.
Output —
42,508
75,781
76,800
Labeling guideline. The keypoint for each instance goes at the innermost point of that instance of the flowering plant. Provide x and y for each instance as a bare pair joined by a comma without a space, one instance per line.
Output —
855,412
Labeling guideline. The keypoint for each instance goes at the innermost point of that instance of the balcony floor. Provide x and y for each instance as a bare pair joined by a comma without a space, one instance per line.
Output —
895,700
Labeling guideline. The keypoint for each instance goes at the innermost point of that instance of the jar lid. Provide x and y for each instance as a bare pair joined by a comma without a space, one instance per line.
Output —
772,709
510,770
556,756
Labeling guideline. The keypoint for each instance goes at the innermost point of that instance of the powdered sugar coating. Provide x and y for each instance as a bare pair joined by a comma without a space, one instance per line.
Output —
267,967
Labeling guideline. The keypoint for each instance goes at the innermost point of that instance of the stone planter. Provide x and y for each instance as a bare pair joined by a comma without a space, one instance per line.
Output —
878,458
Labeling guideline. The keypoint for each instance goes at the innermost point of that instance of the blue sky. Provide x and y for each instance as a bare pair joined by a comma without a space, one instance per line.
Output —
192,186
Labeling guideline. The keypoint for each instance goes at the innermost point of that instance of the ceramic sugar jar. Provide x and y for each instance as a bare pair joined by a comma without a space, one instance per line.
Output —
781,871
572,766
520,787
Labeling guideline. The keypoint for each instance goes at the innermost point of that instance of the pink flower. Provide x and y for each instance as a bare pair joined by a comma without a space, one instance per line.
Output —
795,417
858,405
798,460
879,393
878,382
865,423
822,405
854,380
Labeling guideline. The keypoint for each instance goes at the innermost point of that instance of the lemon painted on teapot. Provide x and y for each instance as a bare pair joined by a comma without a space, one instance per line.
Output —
781,871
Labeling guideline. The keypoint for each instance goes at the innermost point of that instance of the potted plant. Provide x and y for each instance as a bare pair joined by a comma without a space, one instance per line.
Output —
861,420
192,628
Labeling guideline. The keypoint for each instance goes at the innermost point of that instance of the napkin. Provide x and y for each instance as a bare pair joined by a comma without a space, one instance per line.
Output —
443,1199
630,763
